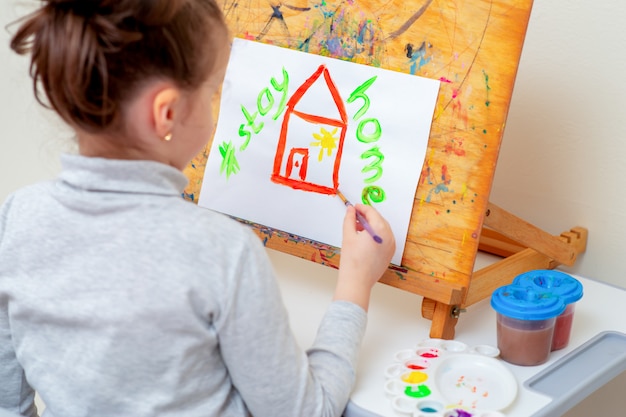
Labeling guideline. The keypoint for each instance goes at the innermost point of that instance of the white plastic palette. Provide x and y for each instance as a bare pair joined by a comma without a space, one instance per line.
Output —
447,378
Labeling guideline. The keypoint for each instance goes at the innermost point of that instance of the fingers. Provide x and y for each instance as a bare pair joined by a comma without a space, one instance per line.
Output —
353,231
369,212
349,221
376,220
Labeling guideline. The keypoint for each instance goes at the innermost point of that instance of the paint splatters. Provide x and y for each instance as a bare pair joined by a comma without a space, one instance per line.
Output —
439,110
440,185
444,80
463,192
440,188
326,257
417,57
276,16
248,36
400,276
487,88
460,113
276,13
343,32
445,176
323,257
404,27
454,147
189,196
408,48
320,252
425,175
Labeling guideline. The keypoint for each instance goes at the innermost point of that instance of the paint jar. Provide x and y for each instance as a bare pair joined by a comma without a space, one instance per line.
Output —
555,283
525,323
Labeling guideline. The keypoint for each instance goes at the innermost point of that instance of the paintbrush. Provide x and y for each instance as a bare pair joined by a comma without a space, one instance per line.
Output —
361,219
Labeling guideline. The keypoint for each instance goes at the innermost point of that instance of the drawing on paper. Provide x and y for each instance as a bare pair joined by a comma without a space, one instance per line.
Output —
298,127
291,164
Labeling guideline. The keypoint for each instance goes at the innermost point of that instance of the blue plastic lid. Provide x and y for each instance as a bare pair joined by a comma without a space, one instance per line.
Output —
526,303
552,282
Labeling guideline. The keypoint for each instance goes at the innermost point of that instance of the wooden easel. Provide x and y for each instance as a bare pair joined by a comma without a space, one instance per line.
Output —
473,47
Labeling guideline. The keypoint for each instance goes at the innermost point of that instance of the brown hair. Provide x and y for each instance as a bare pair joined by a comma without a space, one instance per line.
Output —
90,56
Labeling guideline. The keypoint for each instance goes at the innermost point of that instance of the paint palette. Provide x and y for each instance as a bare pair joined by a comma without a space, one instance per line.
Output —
447,378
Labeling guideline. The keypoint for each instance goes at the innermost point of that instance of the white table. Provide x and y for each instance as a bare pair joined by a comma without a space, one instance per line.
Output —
395,323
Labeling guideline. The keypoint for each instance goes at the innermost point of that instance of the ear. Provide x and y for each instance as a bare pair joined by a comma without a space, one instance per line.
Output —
165,110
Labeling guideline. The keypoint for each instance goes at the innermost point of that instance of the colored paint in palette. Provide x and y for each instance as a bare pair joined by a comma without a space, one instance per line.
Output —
447,378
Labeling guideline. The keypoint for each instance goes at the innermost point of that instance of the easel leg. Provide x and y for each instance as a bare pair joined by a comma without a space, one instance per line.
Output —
442,316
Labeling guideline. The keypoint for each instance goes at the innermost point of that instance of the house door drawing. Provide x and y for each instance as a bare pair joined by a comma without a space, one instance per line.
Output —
298,160
310,159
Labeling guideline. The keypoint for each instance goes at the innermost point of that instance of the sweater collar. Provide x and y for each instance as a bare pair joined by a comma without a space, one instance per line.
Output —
126,176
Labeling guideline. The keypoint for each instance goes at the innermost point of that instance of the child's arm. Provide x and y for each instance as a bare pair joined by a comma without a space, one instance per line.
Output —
15,393
363,261
274,376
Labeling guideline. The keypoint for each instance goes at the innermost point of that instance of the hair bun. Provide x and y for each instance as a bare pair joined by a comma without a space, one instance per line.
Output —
85,8
90,56
149,13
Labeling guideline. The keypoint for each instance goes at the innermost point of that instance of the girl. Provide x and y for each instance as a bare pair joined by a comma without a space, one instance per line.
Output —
119,298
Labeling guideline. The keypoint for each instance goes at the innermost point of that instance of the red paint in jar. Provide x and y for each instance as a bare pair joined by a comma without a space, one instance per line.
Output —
563,328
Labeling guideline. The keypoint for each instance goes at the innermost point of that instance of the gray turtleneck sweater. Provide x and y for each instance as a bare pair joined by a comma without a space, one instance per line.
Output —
120,298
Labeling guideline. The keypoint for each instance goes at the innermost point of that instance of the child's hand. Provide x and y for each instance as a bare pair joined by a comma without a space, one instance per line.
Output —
363,261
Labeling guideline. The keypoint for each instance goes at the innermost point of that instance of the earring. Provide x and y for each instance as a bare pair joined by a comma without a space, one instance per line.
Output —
168,137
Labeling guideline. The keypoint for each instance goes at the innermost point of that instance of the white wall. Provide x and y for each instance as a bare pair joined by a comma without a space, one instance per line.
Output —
31,138
563,156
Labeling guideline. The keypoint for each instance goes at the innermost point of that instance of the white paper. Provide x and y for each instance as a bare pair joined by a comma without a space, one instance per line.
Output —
295,147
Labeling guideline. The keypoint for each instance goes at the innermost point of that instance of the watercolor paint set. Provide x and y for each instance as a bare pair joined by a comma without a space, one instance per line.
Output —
447,378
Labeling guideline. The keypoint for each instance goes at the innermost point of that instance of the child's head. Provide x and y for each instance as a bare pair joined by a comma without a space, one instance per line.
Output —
91,58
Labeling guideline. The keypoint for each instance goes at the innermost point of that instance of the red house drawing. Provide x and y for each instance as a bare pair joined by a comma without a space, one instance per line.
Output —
295,164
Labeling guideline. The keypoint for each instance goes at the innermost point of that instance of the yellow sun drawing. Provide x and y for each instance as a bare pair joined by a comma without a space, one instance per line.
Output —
326,141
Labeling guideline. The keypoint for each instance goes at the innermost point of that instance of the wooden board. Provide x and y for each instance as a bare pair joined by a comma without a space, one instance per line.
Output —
473,47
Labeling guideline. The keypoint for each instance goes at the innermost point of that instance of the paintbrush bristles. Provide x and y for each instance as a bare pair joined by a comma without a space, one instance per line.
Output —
343,198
